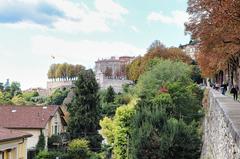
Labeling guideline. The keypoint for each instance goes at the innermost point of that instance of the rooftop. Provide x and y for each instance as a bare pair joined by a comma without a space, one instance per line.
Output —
26,117
6,134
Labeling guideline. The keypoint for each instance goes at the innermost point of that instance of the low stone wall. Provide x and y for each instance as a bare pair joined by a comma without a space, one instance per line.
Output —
115,83
221,128
58,84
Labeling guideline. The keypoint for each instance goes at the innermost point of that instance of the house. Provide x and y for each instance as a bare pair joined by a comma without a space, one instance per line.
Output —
13,144
33,120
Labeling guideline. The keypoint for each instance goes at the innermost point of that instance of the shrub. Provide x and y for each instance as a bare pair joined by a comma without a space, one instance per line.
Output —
52,155
54,139
79,149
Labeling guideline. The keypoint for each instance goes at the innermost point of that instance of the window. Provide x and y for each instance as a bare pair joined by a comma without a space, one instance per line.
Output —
56,130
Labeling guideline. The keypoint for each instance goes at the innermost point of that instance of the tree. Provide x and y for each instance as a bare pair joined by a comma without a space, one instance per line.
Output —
107,130
215,24
41,142
163,72
2,100
29,95
58,96
110,95
133,69
51,72
156,50
117,130
18,100
15,88
64,71
164,120
108,72
157,137
1,87
84,110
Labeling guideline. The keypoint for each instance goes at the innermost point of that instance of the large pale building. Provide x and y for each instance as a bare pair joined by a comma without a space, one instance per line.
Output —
190,48
114,67
112,72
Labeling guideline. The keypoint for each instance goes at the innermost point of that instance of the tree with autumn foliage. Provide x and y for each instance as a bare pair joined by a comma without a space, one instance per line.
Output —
64,71
216,25
156,50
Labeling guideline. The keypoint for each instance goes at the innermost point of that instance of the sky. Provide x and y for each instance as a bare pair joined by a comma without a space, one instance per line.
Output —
81,32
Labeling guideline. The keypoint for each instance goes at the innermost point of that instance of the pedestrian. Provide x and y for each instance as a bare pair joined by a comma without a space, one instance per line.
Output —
234,91
224,88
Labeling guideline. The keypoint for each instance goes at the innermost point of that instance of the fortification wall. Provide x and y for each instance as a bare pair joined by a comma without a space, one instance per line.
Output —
115,83
58,84
221,128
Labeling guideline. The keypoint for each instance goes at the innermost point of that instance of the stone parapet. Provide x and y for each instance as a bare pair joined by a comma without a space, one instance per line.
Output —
221,128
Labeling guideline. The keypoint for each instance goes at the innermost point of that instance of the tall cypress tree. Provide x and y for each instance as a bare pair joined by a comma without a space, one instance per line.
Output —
41,142
84,110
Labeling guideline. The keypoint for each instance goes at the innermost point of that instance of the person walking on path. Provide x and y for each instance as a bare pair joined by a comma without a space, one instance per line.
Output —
224,88
234,91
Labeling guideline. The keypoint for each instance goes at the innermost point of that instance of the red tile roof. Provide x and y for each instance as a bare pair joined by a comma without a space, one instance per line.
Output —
26,116
7,134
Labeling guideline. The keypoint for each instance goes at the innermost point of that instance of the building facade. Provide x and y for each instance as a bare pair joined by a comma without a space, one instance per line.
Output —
114,68
13,144
112,72
190,48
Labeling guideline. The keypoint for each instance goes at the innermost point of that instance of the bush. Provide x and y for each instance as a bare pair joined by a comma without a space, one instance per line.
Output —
29,95
52,155
58,96
18,100
79,149
54,139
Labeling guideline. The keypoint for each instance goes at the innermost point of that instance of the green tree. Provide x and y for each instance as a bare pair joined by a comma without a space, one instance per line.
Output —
110,95
1,86
85,110
165,71
29,95
107,130
158,137
15,88
58,96
18,100
122,130
2,101
117,130
41,142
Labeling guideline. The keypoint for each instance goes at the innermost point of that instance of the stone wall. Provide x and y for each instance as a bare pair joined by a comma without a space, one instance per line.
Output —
221,128
115,83
59,84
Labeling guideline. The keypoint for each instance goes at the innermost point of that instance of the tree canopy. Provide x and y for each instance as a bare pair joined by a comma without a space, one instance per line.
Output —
156,50
85,110
64,71
216,25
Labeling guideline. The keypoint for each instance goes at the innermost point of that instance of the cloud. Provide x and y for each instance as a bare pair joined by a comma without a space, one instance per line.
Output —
14,11
84,52
135,29
61,15
110,9
177,18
